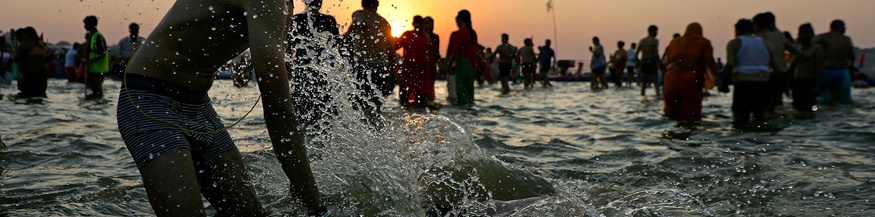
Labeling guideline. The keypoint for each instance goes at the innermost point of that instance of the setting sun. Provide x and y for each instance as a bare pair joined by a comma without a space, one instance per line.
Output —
398,27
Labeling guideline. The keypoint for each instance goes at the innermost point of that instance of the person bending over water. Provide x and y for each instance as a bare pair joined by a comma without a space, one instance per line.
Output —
168,123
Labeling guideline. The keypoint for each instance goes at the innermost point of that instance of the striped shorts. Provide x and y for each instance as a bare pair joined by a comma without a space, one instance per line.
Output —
147,138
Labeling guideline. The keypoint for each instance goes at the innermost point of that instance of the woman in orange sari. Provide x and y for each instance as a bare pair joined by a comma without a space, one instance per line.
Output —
687,60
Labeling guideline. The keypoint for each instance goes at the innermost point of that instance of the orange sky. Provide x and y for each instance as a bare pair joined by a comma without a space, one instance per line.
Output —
577,20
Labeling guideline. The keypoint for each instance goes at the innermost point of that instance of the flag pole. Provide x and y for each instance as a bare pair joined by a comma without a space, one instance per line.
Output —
555,39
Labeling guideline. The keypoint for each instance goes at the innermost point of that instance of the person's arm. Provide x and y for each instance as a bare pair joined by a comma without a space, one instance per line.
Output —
726,75
267,30
850,53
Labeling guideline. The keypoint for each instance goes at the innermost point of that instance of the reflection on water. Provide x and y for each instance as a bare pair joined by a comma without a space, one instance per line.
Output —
565,151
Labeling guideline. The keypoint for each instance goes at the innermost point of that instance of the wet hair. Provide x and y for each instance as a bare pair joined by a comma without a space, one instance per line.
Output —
676,35
744,26
370,3
465,17
90,19
764,20
427,19
133,25
547,41
634,45
837,24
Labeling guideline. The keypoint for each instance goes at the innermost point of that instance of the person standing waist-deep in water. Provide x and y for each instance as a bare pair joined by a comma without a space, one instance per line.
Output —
807,75
168,123
618,64
598,65
373,51
310,94
546,58
687,60
97,61
31,59
434,56
747,66
462,54
414,72
839,54
506,56
649,63
527,62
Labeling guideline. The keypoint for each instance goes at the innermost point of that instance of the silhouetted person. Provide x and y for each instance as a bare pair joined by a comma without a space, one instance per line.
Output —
166,119
463,59
414,73
311,31
506,58
546,58
618,63
687,60
839,54
808,70
527,60
650,61
127,47
31,59
747,66
373,53
598,65
97,62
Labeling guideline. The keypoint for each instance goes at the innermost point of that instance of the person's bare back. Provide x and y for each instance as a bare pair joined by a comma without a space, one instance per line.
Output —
649,48
196,37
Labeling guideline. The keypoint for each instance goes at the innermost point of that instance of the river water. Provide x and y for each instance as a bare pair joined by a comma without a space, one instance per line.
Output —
565,151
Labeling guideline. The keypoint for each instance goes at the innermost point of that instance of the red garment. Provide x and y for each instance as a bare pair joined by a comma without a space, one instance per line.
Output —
687,59
463,43
415,74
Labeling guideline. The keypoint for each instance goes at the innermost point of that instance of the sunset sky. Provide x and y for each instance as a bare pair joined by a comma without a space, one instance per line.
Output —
577,21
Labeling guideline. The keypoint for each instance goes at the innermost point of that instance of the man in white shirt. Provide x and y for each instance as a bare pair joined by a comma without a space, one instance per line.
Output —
128,47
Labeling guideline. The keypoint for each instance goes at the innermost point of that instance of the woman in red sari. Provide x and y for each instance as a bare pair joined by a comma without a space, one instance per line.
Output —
413,90
687,60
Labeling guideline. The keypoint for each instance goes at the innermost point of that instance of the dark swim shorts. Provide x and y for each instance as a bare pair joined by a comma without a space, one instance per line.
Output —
147,138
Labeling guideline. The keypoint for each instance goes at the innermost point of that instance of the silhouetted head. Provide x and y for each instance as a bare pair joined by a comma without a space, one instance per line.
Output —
505,38
652,30
620,44
763,22
464,17
837,26
547,43
370,4
75,46
134,29
743,27
528,42
428,24
806,34
595,40
633,46
417,21
315,5
90,23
